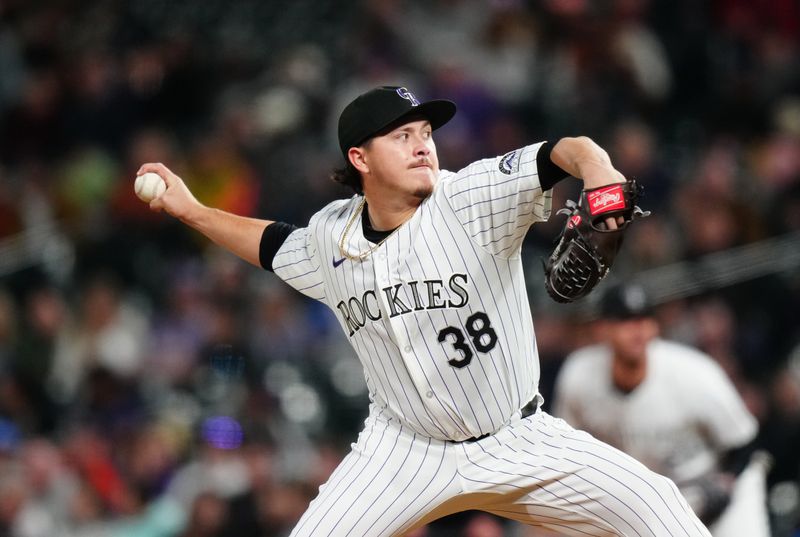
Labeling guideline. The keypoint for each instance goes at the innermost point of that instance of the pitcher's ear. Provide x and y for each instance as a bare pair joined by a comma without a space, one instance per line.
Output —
357,157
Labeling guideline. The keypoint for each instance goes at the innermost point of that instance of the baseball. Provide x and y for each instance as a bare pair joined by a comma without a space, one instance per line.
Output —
149,186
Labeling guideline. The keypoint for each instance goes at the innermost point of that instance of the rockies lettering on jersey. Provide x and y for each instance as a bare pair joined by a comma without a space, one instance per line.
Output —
356,311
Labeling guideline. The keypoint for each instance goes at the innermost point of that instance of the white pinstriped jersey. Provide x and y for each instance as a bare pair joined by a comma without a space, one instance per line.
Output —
438,314
677,422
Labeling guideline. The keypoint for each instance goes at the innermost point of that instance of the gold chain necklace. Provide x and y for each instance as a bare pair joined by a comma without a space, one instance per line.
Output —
362,255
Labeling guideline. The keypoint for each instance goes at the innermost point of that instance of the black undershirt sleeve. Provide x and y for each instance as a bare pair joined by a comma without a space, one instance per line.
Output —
271,240
735,460
549,173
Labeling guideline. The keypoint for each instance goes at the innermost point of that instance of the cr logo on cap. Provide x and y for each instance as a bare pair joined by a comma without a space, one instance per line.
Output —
405,94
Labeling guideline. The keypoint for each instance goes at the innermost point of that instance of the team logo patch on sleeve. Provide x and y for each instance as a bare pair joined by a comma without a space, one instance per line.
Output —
509,163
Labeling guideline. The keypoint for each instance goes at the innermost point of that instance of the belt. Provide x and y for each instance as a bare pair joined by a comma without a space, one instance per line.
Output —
528,410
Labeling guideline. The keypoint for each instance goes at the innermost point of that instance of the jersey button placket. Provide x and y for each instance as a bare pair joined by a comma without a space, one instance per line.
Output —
382,278
396,327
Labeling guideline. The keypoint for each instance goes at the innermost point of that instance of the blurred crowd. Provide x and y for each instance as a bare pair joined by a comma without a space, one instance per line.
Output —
152,385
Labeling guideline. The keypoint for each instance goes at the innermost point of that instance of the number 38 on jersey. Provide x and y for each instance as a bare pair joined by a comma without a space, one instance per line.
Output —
480,334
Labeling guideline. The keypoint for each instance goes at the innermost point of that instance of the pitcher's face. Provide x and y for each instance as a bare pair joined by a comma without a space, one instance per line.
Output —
402,160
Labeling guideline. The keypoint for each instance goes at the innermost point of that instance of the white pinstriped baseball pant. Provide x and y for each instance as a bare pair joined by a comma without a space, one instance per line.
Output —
537,470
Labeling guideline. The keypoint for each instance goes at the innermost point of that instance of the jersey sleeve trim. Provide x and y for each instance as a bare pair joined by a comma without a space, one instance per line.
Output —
272,239
297,264
549,172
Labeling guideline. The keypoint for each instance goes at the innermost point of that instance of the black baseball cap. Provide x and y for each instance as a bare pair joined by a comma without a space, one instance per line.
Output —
373,111
626,301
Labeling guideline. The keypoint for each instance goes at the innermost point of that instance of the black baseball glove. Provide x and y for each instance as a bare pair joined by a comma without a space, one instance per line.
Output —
586,248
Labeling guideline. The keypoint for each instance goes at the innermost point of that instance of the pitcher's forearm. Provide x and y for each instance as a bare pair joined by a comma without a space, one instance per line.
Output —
240,235
584,159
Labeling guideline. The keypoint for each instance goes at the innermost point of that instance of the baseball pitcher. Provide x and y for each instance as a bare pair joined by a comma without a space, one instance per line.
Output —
422,268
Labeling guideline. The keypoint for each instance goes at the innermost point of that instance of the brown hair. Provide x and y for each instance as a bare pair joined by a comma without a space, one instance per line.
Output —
348,175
